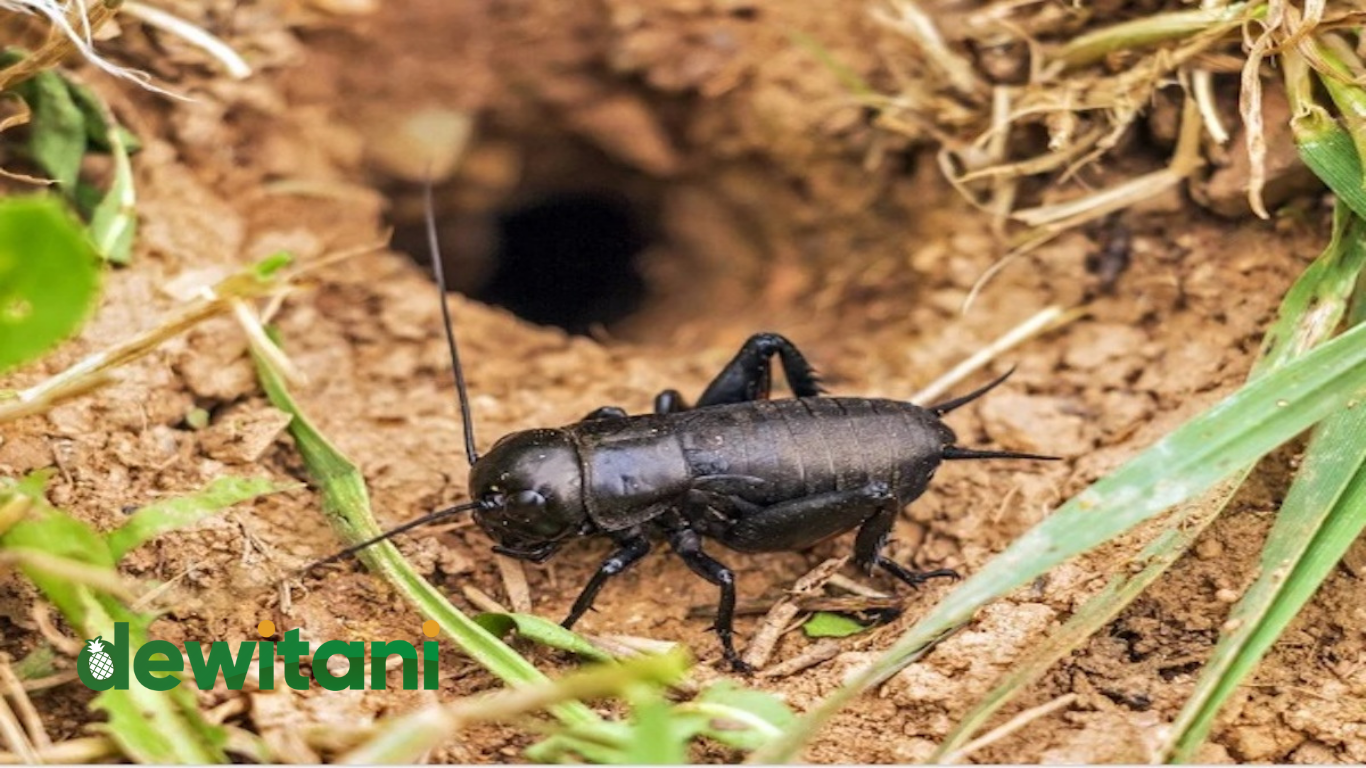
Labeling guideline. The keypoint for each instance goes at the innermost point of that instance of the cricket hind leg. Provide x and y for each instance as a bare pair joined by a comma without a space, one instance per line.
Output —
800,523
872,538
749,375
606,412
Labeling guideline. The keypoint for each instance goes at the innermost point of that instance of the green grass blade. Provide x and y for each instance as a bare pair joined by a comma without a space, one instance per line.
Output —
543,631
1323,512
1321,516
114,223
1243,427
1311,312
347,505
1342,87
1327,148
603,744
1160,554
404,739
848,78
155,519
1150,29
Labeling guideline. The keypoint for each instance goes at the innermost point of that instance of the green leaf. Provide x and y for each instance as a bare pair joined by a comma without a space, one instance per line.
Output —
826,624
41,662
48,277
114,223
659,738
148,726
266,269
98,128
57,129
541,631
156,519
740,717
1260,416
600,743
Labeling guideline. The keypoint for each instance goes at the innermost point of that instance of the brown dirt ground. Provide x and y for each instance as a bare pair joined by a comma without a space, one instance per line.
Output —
780,209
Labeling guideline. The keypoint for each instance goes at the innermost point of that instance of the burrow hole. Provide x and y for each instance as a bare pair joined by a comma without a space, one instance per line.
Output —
561,247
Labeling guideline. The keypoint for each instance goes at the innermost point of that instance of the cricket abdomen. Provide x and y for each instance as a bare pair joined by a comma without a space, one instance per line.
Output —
807,446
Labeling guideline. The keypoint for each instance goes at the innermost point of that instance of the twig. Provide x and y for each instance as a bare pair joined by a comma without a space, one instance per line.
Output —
847,584
625,646
481,600
42,616
808,603
907,18
62,37
514,582
152,594
12,733
1008,727
760,648
94,370
51,681
1202,85
28,714
232,708
817,653
71,752
1046,222
236,67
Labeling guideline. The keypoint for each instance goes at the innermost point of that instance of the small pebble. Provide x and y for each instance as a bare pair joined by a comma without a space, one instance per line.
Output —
1209,549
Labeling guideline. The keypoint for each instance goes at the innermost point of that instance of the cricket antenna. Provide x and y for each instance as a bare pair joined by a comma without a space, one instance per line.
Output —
411,524
434,248
958,402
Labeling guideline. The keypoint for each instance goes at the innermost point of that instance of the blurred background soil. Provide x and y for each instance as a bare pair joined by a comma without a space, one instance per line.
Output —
719,181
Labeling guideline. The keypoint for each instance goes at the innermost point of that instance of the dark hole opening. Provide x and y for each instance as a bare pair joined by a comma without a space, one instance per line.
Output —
569,260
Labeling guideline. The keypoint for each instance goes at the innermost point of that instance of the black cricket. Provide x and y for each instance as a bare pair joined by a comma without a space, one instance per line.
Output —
752,474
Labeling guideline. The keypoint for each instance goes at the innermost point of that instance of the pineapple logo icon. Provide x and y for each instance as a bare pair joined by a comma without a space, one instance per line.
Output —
97,661
99,665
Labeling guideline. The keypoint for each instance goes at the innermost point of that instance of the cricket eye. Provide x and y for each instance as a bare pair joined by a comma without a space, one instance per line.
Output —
526,500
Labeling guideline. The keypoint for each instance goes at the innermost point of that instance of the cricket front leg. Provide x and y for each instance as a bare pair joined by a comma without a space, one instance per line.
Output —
631,547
